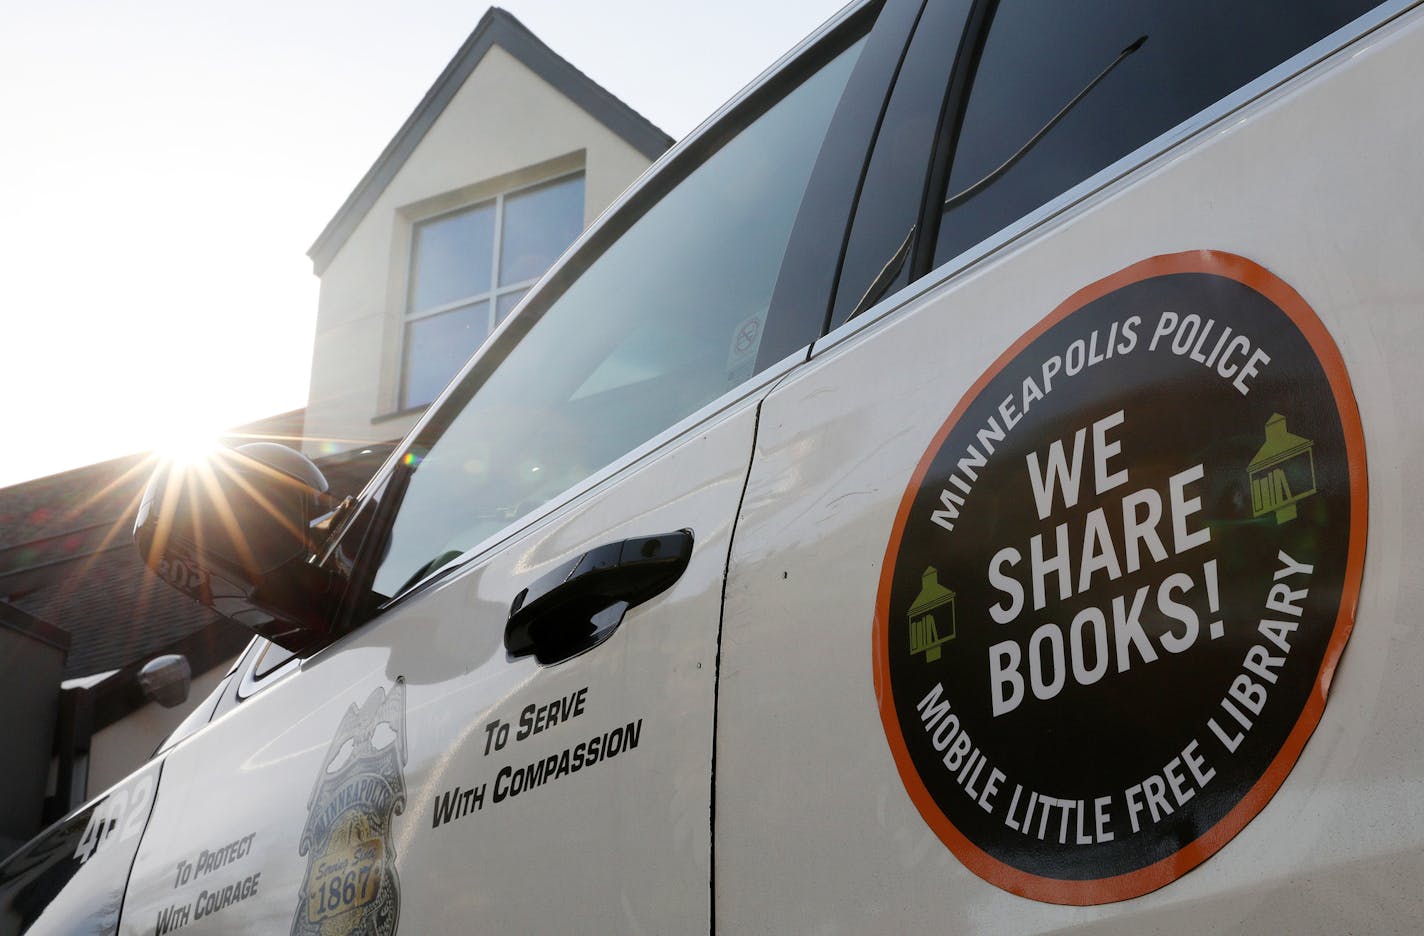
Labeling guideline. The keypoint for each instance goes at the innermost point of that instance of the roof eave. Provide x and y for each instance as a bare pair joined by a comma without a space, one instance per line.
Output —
496,27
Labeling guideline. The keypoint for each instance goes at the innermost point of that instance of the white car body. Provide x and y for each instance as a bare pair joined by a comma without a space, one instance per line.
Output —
744,780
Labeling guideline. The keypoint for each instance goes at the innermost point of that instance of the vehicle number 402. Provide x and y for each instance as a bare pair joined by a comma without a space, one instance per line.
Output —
121,815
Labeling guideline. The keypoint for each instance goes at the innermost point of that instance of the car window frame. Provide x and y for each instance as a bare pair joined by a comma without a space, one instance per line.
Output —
813,260
244,679
925,277
857,21
247,677
906,191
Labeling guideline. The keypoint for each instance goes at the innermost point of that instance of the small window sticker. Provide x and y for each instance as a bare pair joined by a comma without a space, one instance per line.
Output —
742,350
1120,579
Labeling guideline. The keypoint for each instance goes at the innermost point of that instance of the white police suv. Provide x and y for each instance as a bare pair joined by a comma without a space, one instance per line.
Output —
966,486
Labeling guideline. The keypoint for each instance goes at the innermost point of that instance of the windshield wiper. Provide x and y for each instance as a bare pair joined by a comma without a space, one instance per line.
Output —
1006,165
886,276
888,273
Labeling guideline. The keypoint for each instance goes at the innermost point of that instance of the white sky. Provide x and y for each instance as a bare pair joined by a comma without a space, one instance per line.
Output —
165,164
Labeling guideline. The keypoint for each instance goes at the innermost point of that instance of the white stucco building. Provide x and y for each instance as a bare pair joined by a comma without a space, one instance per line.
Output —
511,153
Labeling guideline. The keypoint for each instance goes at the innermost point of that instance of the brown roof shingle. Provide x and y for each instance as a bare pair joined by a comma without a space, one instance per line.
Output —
67,554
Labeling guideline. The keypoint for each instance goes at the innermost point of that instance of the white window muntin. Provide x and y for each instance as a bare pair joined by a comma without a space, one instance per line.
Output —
500,298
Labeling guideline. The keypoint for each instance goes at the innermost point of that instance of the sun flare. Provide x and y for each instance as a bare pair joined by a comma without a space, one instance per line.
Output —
186,447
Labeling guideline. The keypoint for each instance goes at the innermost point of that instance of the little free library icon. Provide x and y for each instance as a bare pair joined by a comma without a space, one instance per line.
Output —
1283,472
926,632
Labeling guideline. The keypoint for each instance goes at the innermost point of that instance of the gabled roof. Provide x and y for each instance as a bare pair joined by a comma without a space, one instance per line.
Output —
496,27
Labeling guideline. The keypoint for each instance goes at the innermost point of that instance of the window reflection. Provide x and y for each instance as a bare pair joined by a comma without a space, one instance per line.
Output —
668,318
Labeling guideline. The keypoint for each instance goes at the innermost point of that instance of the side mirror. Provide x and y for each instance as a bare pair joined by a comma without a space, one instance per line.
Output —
166,680
236,532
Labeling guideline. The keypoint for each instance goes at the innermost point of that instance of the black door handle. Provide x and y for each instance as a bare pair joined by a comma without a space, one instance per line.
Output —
578,605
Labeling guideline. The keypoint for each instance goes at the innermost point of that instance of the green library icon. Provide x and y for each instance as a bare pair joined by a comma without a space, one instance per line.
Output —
931,617
1283,472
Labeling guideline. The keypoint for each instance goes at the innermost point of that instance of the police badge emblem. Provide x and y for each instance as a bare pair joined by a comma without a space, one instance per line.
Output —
351,888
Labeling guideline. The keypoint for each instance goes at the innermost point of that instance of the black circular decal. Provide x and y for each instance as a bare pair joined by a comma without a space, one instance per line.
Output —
1120,580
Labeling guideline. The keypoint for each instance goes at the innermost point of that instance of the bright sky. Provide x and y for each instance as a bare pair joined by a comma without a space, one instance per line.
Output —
165,165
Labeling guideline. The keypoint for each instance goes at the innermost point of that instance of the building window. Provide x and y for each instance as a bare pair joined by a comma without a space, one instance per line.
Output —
469,268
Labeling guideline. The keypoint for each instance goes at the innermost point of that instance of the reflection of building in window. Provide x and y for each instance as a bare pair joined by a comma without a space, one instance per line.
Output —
469,268
931,617
1283,472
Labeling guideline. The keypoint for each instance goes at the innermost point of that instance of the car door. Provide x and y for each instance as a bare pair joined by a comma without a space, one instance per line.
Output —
517,733
1024,538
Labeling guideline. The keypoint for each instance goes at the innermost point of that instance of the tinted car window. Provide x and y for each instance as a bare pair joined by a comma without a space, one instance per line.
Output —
1038,55
895,179
668,318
